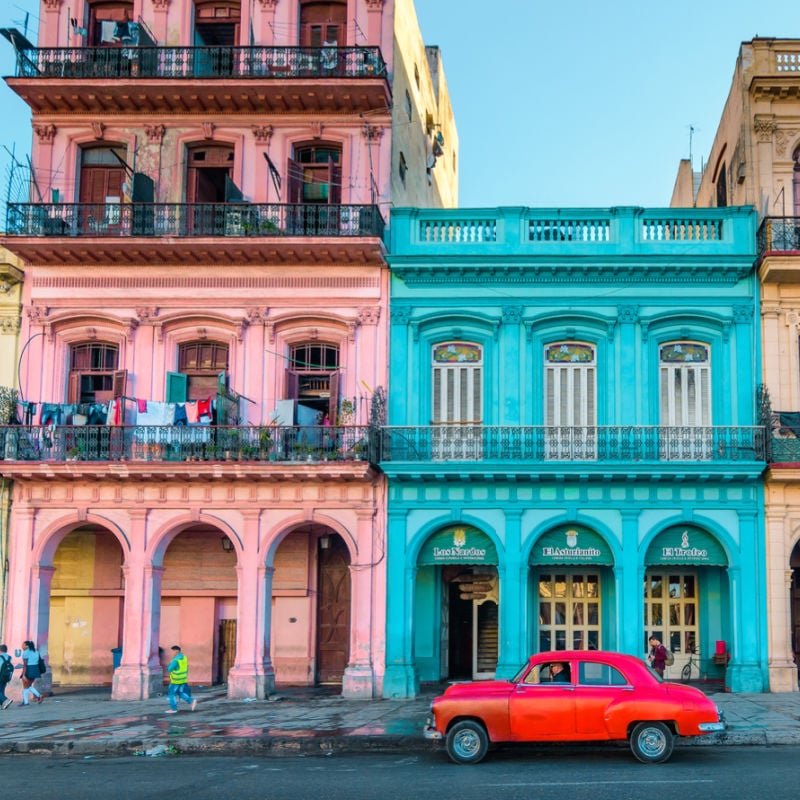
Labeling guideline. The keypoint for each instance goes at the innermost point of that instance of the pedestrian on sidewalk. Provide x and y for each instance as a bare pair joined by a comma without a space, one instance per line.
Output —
6,673
658,655
179,687
30,673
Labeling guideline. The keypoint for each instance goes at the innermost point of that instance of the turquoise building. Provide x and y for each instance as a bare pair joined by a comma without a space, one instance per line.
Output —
573,455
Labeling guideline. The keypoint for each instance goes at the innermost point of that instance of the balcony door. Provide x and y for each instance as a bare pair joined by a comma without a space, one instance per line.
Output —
108,22
457,401
685,399
315,185
323,24
208,178
570,401
102,176
216,32
313,382
796,184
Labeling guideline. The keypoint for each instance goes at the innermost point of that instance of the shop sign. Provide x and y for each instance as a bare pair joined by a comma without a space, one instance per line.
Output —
459,544
572,544
685,544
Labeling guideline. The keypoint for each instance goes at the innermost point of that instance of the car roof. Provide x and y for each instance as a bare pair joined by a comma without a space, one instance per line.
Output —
608,656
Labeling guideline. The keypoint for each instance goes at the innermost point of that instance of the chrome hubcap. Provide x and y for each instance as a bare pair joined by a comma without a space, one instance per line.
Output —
466,744
652,742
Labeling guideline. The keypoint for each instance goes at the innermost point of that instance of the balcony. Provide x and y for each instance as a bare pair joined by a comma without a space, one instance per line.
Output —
202,79
518,245
778,244
264,453
189,233
772,68
541,451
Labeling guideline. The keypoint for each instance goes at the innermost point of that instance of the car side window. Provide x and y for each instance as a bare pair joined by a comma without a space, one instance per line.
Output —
592,673
534,676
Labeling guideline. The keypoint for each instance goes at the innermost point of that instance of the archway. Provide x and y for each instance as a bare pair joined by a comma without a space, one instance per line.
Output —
311,599
794,565
198,602
86,608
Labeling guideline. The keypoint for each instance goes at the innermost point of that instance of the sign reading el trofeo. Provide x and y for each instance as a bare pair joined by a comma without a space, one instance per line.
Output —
458,545
686,544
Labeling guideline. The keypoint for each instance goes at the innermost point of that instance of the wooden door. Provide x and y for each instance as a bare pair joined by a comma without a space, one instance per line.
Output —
227,649
323,23
333,610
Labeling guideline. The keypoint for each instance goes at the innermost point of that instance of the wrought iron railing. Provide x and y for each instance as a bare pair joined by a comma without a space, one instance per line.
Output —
784,450
779,235
161,443
201,62
540,444
192,219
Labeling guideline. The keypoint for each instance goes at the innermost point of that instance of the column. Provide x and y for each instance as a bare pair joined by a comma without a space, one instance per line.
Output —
400,679
630,389
629,575
252,675
359,679
513,605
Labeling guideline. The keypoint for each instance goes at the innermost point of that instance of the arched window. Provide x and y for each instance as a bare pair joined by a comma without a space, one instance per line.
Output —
202,363
94,376
315,173
313,381
109,22
323,23
722,187
457,382
685,384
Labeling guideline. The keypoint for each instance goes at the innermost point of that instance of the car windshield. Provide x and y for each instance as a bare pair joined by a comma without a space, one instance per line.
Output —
523,669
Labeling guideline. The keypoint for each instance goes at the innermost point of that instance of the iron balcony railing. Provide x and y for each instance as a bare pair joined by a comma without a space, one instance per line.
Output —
540,444
192,219
201,62
167,443
779,235
784,450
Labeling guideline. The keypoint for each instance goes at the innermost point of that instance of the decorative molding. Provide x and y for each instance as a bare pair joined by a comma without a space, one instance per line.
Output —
202,334
130,329
37,314
782,139
52,5
628,314
351,330
400,315
269,325
764,127
155,133
262,133
99,130
313,334
240,327
512,315
268,5
316,130
372,133
742,314
46,133
375,5
161,5
10,325
343,284
256,315
146,313
208,129
369,315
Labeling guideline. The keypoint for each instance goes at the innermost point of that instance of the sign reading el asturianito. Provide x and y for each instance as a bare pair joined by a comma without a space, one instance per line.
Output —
572,544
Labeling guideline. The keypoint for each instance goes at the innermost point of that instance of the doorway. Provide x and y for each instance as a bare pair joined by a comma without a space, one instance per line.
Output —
569,611
333,608
226,655
794,563
671,602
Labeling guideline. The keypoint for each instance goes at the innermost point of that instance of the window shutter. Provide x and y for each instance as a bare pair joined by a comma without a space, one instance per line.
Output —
437,394
120,383
549,405
177,387
334,182
477,395
292,385
222,383
294,184
333,400
74,388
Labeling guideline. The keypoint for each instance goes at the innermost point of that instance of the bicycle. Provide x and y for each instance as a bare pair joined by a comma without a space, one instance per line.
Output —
686,672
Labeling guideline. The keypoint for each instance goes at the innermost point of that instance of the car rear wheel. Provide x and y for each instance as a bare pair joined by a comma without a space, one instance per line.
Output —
467,742
652,742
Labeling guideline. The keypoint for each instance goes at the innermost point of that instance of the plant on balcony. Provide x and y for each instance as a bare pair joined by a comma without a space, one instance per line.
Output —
77,452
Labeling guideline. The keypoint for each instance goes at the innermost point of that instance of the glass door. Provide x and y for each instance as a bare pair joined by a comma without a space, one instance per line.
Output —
569,611
671,605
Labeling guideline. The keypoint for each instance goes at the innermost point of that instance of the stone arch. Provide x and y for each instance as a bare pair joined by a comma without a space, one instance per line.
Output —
166,533
434,526
276,535
51,536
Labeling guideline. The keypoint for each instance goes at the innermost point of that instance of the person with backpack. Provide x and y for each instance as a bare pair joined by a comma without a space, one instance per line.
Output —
658,655
31,670
6,673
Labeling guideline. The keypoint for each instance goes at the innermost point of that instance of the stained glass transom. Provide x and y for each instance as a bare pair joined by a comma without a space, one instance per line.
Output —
457,353
685,352
569,352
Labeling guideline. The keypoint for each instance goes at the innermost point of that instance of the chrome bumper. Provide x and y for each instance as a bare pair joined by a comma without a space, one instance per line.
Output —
712,727
430,733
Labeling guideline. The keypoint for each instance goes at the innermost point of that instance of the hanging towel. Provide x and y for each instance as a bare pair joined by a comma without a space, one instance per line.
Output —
141,406
192,416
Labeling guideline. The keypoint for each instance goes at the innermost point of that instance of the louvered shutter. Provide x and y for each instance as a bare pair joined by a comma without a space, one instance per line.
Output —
333,399
74,388
294,183
292,385
177,387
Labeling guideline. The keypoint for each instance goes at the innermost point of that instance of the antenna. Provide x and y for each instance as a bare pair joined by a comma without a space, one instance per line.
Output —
691,136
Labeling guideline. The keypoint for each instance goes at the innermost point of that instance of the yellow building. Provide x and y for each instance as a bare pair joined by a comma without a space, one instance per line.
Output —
755,160
10,301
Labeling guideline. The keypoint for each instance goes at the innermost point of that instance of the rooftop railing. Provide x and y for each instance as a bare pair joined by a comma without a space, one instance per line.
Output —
779,235
192,219
193,443
201,62
603,444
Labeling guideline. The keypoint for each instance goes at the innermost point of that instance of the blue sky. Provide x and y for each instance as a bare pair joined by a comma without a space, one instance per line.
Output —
559,104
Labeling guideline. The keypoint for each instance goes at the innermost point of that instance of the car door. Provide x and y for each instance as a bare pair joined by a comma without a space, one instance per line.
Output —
540,710
599,687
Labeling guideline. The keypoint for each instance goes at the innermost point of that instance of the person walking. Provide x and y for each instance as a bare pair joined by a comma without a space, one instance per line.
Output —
6,673
30,673
658,655
178,670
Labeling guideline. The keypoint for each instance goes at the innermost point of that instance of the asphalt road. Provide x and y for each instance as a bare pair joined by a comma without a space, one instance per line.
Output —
704,773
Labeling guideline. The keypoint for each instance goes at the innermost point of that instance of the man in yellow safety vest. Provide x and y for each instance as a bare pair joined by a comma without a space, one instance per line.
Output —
178,670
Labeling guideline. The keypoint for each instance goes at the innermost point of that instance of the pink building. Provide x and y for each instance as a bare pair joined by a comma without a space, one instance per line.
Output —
204,334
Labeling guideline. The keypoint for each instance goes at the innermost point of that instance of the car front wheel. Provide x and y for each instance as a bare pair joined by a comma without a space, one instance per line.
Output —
467,742
652,742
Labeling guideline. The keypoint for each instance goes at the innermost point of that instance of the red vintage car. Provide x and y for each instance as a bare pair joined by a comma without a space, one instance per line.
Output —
572,696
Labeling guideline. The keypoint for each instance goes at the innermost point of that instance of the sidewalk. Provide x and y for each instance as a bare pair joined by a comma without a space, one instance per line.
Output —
87,722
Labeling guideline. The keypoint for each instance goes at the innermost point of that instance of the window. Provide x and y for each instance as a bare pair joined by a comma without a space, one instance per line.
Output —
722,187
403,168
108,22
416,75
593,674
570,400
202,363
102,175
216,23
409,108
315,174
313,380
323,24
796,190
208,175
93,376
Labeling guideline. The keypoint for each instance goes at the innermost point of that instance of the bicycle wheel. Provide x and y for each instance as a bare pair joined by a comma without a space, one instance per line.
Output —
686,672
